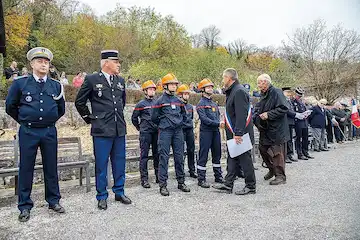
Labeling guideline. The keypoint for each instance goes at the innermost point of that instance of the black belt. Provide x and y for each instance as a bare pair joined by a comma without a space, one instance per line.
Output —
36,125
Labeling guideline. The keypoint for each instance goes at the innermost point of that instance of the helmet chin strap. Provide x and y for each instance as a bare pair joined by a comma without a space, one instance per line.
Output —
207,94
182,99
169,92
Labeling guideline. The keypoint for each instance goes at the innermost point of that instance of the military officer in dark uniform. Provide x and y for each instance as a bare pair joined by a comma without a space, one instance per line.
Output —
301,126
106,92
36,102
291,121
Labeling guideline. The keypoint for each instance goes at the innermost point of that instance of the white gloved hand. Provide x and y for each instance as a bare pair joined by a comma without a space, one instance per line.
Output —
299,116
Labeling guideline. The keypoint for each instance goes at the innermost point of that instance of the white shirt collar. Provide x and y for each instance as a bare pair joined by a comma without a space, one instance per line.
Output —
107,76
37,78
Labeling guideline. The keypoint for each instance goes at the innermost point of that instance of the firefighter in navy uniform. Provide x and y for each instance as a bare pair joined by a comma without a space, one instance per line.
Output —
141,118
169,114
36,102
184,93
209,115
301,126
106,92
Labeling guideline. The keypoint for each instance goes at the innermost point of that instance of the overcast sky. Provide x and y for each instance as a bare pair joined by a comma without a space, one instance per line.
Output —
260,22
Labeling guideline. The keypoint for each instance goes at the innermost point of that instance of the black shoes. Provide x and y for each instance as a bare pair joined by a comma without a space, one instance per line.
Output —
183,187
223,187
123,199
308,156
164,191
278,180
317,150
145,184
324,149
269,175
102,204
24,215
288,160
57,208
193,175
246,191
204,184
302,158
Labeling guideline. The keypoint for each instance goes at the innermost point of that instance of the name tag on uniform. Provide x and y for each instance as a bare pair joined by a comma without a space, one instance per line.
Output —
173,106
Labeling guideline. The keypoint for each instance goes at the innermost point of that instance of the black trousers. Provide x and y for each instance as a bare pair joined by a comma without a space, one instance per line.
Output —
338,135
302,141
189,138
290,145
330,133
233,164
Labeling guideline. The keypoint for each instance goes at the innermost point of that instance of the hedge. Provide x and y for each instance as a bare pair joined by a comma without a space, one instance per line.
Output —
132,96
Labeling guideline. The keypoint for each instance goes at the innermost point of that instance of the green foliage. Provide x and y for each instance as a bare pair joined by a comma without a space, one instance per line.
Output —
194,67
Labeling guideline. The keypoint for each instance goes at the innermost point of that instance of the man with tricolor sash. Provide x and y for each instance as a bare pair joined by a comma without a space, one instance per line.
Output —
238,123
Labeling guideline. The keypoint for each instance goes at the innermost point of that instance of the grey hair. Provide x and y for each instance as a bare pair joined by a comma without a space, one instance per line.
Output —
232,73
265,77
102,62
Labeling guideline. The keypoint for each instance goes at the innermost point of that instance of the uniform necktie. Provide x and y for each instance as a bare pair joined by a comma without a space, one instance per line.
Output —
41,82
111,80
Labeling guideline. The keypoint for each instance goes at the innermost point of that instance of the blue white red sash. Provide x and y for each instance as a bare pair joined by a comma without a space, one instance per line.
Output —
229,124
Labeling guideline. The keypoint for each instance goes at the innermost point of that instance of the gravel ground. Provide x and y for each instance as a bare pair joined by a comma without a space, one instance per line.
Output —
319,201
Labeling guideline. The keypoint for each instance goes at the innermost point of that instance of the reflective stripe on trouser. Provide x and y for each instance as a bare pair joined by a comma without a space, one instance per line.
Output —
113,147
147,139
30,139
209,140
174,138
189,138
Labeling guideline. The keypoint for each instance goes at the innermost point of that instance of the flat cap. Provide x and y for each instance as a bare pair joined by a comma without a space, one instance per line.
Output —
110,54
286,88
39,52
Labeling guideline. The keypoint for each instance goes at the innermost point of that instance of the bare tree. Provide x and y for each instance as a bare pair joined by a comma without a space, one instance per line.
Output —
210,37
329,58
238,48
196,41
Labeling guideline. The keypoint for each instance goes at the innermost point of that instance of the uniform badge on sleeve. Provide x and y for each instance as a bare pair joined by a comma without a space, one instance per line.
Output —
213,109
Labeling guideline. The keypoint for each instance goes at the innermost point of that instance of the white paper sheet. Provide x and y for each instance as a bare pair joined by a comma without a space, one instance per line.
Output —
238,149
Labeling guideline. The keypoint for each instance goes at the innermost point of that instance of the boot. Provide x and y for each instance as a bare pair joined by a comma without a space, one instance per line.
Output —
164,191
288,160
269,175
145,184
302,157
246,191
183,187
223,187
204,184
278,180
